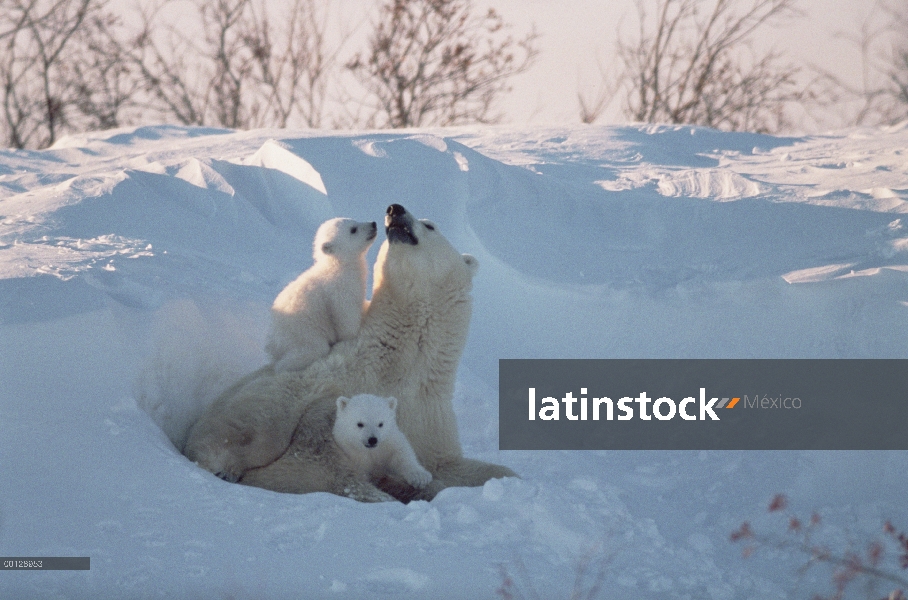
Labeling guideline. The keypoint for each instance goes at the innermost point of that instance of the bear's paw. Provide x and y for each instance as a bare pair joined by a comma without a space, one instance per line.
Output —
418,477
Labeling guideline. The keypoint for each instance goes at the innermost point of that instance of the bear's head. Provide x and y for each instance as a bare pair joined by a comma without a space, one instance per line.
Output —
364,420
417,259
343,239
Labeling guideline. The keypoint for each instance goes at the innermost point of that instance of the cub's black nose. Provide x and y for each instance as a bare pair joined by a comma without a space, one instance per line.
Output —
370,443
396,210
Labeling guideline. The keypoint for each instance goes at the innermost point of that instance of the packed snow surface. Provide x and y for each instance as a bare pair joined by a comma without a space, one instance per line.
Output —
137,267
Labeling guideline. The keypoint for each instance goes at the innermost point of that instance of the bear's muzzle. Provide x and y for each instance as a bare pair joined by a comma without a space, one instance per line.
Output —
399,226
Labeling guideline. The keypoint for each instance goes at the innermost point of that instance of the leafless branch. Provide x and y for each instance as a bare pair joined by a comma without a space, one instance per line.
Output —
434,62
249,69
591,108
698,67
49,49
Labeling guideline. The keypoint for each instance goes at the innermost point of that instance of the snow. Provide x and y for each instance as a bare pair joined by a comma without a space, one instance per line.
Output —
136,271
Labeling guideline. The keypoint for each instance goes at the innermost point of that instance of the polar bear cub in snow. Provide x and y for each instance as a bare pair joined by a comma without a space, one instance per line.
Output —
365,429
325,304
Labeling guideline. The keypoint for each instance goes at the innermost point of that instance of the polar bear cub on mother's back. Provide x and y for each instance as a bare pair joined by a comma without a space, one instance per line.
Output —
365,429
325,304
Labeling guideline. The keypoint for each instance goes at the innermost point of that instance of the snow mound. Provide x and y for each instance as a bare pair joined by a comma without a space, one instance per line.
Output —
137,268
275,155
707,183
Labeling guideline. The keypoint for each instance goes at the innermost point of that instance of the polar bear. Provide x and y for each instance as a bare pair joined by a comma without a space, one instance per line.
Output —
325,304
366,431
274,430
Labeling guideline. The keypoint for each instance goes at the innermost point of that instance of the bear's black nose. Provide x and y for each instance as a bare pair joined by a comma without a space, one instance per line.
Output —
396,210
371,442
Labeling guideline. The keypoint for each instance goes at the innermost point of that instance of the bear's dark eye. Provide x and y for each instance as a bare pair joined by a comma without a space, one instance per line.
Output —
430,227
353,230
360,425
380,424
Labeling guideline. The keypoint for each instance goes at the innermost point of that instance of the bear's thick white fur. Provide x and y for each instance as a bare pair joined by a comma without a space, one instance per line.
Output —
325,304
366,431
274,430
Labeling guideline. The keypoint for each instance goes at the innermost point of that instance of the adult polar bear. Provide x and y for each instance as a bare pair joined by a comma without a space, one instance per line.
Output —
274,430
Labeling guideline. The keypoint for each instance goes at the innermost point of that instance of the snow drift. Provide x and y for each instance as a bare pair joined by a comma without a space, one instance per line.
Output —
136,271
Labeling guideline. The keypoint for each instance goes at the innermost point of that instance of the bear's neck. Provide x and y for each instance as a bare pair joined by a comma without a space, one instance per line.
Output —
345,271
420,337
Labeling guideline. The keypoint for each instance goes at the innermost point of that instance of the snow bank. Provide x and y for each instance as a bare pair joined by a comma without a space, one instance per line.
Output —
136,271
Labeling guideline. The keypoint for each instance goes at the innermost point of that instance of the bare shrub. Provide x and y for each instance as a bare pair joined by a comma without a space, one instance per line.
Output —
589,578
247,69
695,66
104,85
432,62
881,94
847,565
35,41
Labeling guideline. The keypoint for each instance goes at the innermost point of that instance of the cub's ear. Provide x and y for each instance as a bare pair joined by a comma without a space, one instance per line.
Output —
472,263
342,403
392,404
328,248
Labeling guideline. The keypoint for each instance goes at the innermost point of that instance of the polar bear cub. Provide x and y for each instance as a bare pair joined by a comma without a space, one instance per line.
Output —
365,429
325,304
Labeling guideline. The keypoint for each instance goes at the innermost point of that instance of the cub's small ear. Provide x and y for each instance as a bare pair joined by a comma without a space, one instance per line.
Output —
392,404
472,263
342,403
328,248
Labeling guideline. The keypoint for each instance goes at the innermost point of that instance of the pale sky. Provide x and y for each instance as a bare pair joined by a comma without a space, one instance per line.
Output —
577,33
